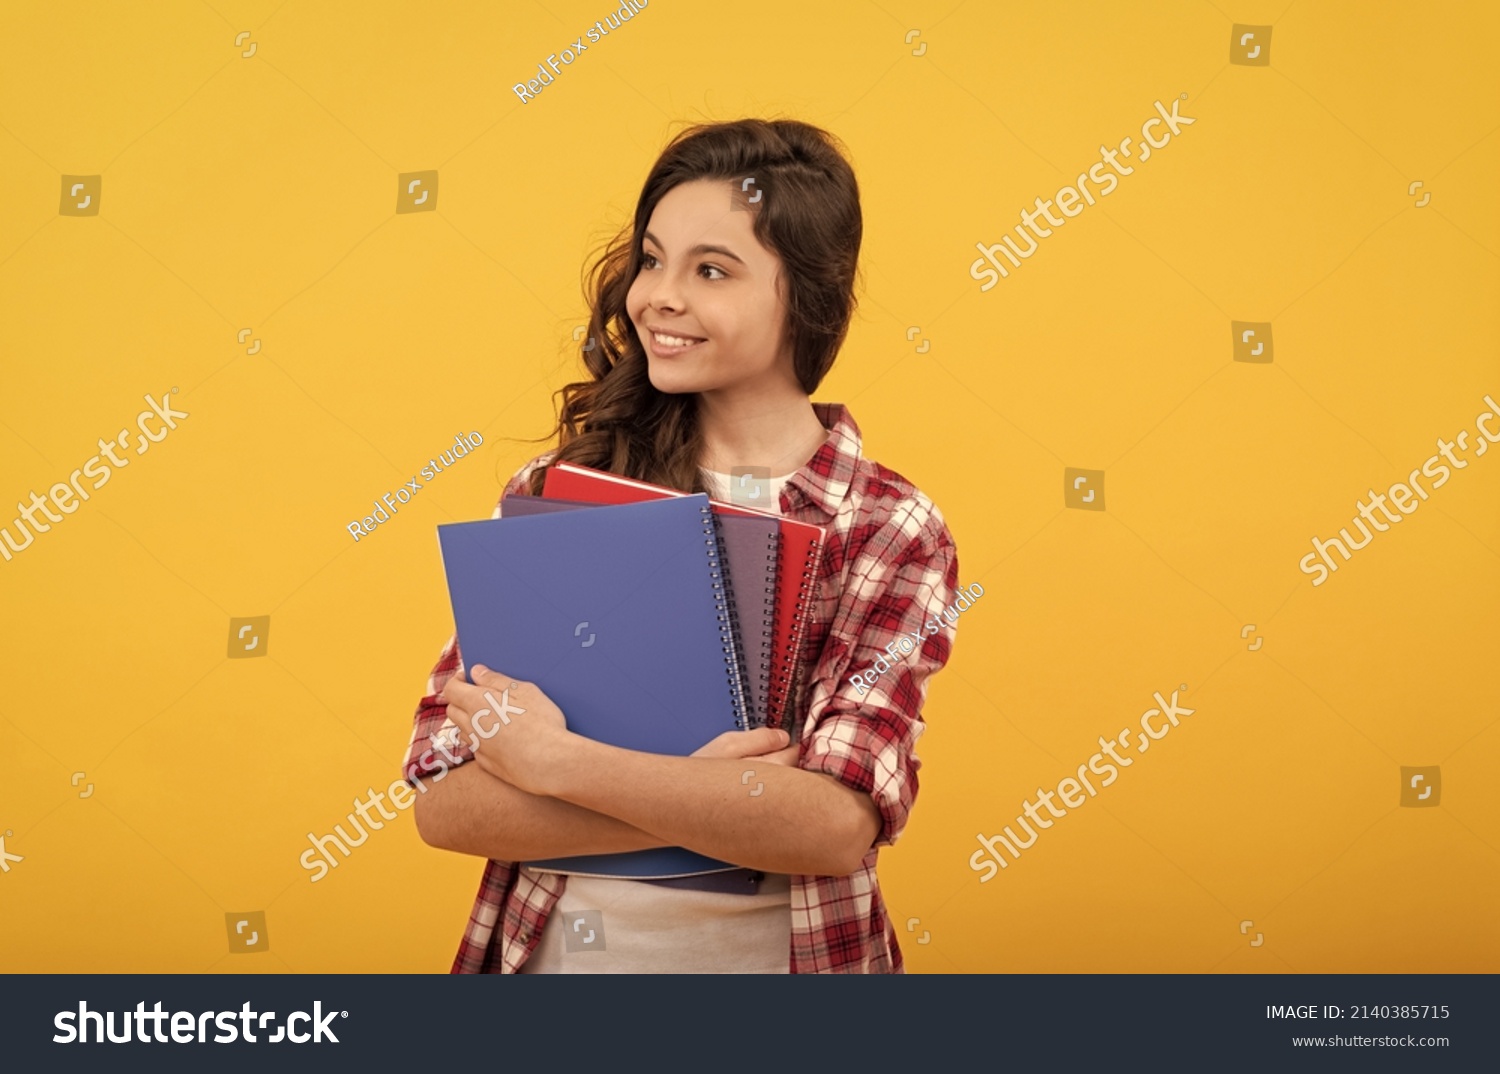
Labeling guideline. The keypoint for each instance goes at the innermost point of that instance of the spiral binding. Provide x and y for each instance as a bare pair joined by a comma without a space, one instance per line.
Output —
753,716
767,619
787,684
724,608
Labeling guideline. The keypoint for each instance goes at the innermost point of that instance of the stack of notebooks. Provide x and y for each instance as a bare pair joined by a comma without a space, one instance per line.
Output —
655,619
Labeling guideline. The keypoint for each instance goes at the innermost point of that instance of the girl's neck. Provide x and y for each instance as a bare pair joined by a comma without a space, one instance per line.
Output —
779,434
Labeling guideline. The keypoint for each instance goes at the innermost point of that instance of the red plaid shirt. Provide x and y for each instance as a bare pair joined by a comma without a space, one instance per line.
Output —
889,566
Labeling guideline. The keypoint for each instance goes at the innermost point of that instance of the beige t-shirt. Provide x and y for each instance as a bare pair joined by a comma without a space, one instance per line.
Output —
624,926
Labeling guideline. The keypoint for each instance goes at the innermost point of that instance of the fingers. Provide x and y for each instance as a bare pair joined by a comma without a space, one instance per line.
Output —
453,692
766,739
463,721
465,704
752,743
484,676
786,757
714,747
719,746
454,689
498,689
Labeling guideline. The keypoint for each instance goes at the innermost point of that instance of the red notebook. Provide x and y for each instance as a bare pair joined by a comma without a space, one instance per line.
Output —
800,550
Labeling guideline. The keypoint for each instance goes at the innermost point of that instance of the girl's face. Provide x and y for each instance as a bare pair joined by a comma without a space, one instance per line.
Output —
705,276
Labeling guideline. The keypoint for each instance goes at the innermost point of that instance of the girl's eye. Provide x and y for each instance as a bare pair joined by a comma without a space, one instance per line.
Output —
649,261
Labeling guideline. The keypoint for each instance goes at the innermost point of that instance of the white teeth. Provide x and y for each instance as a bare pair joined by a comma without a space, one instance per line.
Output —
673,341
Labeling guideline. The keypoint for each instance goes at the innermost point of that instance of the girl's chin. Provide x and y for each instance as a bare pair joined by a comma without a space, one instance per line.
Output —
677,381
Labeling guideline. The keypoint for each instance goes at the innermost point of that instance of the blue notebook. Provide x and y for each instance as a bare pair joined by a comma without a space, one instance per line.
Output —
748,551
620,615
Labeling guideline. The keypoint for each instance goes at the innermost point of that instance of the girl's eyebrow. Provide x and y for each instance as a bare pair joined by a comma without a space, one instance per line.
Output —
701,248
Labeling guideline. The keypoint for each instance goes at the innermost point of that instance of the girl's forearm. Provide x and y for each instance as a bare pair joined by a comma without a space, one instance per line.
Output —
758,815
472,812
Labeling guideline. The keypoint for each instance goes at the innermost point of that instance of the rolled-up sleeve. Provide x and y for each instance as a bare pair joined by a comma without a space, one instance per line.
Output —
425,754
865,734
434,747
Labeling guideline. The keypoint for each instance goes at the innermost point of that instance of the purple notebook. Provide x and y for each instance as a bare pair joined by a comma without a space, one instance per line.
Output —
748,549
620,615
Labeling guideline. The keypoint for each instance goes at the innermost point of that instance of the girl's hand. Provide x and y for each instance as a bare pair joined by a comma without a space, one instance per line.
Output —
514,729
763,744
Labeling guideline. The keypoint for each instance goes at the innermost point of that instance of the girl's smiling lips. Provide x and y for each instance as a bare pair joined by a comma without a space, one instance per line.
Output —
667,350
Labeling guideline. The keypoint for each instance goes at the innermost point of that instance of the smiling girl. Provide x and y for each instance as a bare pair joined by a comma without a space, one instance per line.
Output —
714,318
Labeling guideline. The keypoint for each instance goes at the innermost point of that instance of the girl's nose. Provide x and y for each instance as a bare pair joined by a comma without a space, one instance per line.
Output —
663,296
664,291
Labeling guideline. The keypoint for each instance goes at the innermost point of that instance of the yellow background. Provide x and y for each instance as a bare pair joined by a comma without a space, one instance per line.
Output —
260,192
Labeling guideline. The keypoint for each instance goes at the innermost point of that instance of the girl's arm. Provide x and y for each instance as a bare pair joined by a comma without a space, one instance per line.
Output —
857,776
460,807
472,812
767,817
468,810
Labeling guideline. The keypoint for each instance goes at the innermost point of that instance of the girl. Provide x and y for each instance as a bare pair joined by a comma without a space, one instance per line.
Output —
714,318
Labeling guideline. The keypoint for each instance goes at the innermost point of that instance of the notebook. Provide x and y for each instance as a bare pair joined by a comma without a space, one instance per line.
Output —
621,621
748,550
801,550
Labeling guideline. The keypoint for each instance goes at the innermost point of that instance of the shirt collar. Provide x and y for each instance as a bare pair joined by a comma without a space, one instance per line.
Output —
824,482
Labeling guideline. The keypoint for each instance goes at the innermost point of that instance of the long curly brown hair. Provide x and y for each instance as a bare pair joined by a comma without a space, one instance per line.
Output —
805,210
